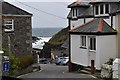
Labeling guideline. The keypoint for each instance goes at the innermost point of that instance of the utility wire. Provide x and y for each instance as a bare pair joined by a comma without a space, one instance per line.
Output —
41,10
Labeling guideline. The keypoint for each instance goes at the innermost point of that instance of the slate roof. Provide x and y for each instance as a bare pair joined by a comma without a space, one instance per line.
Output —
87,13
10,9
66,44
94,27
76,4
105,1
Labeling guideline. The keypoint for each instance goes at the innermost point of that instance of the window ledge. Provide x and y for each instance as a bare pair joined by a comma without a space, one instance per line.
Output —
9,31
82,47
92,50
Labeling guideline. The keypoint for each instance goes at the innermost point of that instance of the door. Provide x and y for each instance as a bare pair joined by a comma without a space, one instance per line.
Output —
92,49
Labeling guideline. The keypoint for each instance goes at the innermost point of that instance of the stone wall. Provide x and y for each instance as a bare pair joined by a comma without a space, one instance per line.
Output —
106,71
0,25
20,38
116,68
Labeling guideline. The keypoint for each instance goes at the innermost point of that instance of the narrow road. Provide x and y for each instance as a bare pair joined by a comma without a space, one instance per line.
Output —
53,71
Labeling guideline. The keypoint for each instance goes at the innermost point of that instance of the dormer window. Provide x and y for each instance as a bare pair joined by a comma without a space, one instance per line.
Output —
96,9
101,10
74,12
9,25
106,8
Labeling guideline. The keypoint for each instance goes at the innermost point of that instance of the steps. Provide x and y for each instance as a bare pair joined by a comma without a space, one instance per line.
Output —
86,70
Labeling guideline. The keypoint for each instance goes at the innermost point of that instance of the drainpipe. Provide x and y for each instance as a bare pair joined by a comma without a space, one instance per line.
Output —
69,64
118,34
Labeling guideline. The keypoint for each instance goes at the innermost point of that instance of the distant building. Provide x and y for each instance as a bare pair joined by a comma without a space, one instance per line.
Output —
93,32
17,30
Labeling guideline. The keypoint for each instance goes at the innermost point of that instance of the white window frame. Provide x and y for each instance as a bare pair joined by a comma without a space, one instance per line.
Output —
83,41
75,12
12,25
92,47
104,12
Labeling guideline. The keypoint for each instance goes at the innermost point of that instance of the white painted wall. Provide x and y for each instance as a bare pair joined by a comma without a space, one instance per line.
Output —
76,23
108,20
114,23
106,49
88,19
78,55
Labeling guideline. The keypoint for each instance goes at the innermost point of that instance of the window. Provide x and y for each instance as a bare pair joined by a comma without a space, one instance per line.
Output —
83,41
96,9
101,9
9,26
76,12
73,12
106,8
92,44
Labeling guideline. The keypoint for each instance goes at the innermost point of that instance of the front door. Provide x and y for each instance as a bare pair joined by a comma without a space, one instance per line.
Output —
92,49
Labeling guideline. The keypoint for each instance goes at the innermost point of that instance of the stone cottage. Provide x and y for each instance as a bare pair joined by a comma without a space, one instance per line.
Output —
16,30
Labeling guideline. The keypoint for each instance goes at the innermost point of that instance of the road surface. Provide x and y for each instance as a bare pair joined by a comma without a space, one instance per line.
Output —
52,71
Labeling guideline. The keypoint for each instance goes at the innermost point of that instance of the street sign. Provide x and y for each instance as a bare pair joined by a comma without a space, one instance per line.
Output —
6,66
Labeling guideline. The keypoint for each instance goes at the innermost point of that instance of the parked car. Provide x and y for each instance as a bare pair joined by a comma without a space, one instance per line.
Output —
44,61
58,60
65,60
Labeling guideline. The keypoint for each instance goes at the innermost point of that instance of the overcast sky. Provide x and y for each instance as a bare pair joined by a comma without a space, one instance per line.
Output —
41,19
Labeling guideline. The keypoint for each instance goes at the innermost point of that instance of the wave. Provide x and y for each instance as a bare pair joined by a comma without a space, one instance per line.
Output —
40,43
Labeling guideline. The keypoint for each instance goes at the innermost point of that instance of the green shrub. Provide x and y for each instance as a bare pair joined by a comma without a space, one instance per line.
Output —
18,63
25,61
14,64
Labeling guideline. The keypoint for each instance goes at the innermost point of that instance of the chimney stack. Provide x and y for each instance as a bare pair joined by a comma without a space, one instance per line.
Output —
78,1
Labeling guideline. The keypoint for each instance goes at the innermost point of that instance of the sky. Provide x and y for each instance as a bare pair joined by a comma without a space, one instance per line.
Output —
58,9
46,13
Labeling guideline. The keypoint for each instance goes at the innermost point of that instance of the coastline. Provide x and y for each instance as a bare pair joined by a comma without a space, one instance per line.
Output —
40,43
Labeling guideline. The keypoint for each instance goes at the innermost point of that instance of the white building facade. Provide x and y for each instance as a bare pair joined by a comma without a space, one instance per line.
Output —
95,41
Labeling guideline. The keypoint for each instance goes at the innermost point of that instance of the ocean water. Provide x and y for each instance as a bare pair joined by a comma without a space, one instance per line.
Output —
44,34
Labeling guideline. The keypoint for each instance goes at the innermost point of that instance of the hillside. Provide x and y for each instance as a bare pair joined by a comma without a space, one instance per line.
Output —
59,38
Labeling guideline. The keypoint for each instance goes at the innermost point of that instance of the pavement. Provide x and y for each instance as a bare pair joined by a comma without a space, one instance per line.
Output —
53,72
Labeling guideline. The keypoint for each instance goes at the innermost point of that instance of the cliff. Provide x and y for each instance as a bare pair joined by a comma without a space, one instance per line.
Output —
59,38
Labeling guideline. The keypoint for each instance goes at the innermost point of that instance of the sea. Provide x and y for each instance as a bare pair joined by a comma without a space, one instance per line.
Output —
44,35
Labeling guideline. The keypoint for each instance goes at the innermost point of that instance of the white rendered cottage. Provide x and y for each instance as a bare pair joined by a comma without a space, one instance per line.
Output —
94,40
93,33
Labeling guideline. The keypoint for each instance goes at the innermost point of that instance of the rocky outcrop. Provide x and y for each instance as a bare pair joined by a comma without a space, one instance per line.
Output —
34,39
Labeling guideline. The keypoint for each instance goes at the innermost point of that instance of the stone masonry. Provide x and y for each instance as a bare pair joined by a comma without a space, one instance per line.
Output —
21,37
